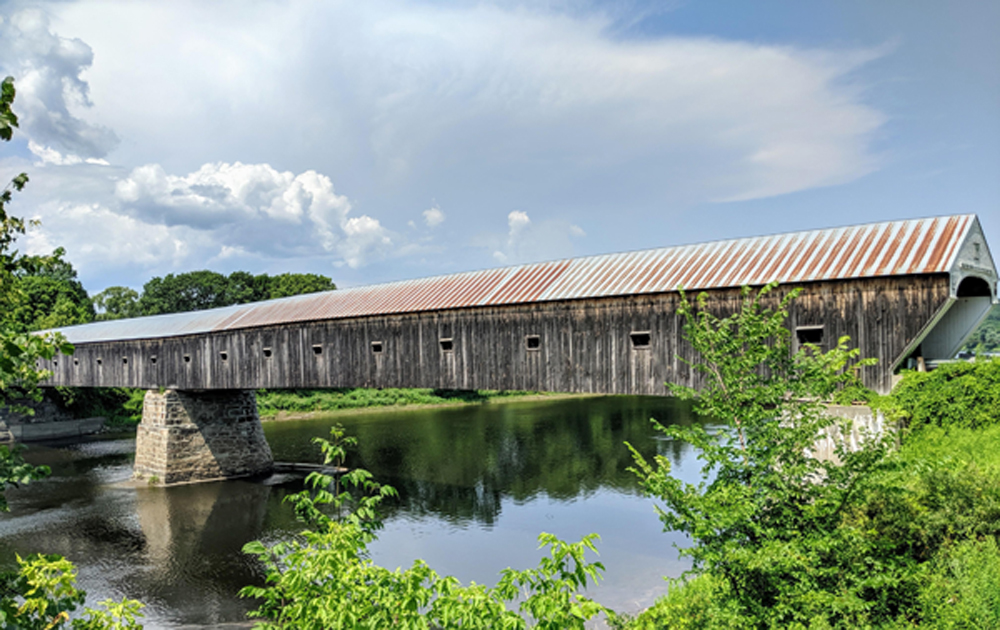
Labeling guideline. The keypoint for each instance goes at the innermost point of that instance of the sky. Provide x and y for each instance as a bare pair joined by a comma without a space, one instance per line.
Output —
390,139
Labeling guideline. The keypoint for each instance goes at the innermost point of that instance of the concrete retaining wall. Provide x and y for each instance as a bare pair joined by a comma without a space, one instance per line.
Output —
861,424
48,422
50,430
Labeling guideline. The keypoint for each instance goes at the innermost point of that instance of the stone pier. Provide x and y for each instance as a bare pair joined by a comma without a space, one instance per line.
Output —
193,436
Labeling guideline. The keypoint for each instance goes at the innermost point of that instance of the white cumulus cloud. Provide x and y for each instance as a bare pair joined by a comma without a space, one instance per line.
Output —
51,91
256,208
433,216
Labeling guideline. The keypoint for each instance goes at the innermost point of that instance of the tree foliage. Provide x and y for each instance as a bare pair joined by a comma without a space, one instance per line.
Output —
193,291
961,394
199,290
50,295
765,517
116,303
43,593
325,579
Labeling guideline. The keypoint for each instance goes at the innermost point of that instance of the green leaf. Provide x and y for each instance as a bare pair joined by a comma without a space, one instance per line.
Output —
254,547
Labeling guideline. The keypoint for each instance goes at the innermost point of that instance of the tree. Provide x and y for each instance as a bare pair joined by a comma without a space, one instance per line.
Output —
51,295
244,287
19,351
192,291
116,303
289,284
765,519
199,290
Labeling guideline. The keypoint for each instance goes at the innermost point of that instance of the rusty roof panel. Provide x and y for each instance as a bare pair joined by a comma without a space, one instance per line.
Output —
881,249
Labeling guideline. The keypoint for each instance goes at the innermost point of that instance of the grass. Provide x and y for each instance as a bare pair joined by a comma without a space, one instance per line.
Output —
271,402
954,446
123,407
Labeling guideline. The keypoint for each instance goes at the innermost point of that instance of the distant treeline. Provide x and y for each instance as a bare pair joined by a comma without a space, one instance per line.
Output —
52,296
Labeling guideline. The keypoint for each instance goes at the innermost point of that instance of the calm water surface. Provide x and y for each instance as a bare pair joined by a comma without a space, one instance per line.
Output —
477,484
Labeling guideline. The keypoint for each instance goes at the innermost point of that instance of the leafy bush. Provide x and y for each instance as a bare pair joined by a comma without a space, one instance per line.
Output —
917,544
963,590
324,579
766,517
43,593
701,603
960,394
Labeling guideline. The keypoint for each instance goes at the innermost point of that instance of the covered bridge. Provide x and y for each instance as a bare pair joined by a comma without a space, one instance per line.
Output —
902,290
601,324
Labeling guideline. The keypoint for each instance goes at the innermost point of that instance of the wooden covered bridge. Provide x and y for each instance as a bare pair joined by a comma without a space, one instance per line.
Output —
903,291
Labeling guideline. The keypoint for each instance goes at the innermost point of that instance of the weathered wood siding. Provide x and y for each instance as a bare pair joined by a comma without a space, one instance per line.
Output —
584,345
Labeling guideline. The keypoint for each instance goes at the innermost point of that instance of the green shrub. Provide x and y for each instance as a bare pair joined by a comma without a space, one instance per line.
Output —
960,394
43,593
701,603
325,580
916,548
963,590
766,517
940,492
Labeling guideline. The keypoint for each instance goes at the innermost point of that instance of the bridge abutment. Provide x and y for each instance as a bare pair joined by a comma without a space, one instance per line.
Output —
193,436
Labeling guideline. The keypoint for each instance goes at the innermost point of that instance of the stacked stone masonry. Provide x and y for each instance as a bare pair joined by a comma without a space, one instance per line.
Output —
188,436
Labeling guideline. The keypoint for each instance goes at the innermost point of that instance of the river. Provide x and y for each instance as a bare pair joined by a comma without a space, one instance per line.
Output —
476,483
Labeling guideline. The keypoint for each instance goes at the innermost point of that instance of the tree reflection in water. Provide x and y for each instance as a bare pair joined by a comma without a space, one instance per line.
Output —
460,463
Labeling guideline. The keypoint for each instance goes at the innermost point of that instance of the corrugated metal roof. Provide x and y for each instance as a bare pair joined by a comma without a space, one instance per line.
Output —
916,246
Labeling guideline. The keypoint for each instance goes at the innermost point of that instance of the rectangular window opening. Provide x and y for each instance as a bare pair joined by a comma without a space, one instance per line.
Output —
55,362
124,360
100,361
187,358
317,349
640,339
76,361
152,359
533,342
224,356
809,335
377,347
267,353
447,345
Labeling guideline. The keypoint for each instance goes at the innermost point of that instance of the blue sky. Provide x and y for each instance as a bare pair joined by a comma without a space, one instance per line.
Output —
395,138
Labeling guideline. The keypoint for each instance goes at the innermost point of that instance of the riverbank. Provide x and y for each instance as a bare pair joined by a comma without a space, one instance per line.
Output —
122,407
281,415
